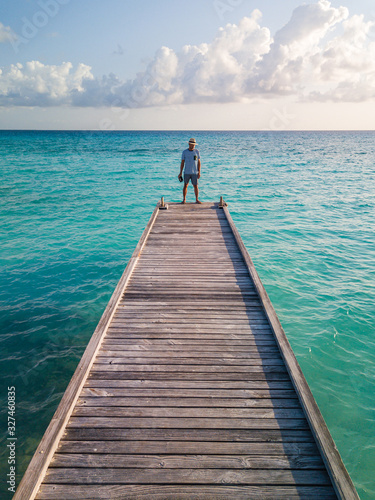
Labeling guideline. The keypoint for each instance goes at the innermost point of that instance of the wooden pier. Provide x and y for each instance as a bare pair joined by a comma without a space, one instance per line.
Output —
188,388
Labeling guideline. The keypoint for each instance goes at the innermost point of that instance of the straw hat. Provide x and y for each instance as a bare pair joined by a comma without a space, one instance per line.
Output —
192,141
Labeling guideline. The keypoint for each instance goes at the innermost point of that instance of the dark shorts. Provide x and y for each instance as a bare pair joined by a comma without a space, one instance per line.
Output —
193,177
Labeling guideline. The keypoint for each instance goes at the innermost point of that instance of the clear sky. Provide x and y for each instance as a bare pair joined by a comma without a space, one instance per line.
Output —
171,64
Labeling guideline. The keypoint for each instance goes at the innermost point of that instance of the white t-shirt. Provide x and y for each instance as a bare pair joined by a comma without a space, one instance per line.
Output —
191,160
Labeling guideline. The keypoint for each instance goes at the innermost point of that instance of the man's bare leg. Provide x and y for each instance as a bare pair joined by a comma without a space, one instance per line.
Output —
196,191
184,192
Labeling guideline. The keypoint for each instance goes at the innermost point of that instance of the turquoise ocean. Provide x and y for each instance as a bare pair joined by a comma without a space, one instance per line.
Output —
74,204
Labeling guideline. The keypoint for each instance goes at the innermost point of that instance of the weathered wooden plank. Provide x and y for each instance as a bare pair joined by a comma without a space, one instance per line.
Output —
247,342
140,292
192,327
127,351
188,423
194,339
191,220
191,302
79,460
198,280
180,243
178,314
232,266
222,262
186,476
202,231
175,264
224,258
156,274
170,262
184,384
198,277
196,376
252,318
190,334
189,324
241,307
236,395
238,302
183,412
186,240
192,280
190,402
199,364
216,369
194,303
251,333
256,337
224,327
181,248
128,306
241,318
164,341
174,269
201,285
188,492
189,350
191,435
199,253
181,295
189,361
244,327
176,354
209,240
190,447
189,337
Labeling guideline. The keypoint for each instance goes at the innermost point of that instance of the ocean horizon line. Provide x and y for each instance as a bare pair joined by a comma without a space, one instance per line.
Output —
188,130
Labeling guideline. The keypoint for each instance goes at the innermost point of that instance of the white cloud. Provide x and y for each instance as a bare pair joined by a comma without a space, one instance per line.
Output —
6,34
36,84
320,54
347,65
290,61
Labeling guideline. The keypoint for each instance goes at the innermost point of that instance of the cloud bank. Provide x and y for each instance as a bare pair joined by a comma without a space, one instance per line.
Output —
320,54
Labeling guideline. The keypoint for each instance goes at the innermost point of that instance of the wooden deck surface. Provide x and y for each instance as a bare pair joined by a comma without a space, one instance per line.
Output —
187,394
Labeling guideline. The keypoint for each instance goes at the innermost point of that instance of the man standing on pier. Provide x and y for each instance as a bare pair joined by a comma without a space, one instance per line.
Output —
192,163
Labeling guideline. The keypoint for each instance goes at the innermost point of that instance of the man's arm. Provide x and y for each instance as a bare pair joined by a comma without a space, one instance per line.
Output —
181,168
199,168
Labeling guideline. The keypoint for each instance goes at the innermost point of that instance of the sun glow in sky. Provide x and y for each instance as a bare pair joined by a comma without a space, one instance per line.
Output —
216,64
